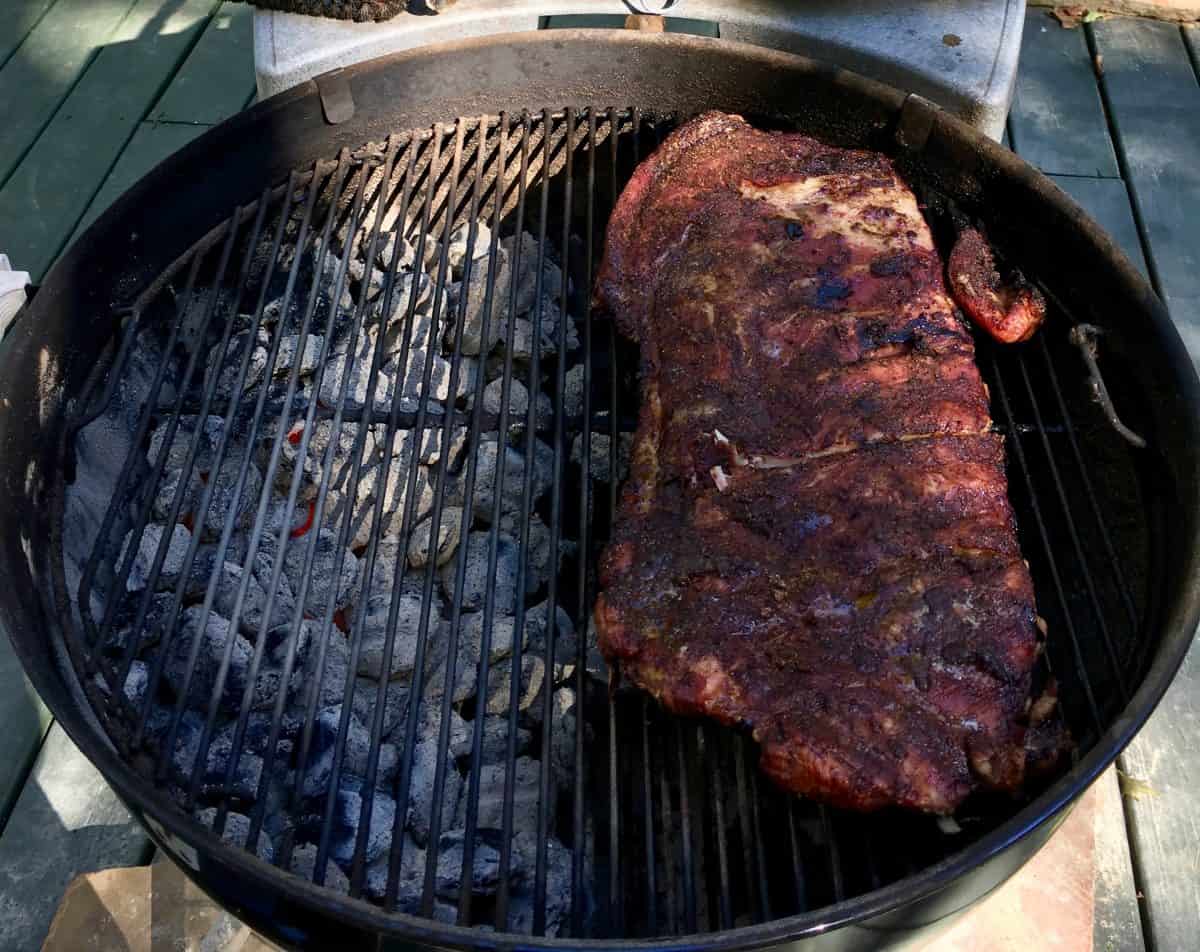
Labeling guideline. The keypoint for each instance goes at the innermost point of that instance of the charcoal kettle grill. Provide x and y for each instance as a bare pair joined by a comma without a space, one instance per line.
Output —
670,837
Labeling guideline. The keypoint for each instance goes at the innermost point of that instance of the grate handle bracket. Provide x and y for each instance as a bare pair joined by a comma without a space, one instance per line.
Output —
915,122
337,102
1085,336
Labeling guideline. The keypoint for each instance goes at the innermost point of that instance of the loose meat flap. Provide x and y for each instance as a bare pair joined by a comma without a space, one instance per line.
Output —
815,540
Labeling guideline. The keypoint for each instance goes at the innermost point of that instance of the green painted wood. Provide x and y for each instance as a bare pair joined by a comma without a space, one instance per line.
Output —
67,821
218,76
46,65
1107,201
1155,103
151,143
45,197
25,721
18,17
1057,118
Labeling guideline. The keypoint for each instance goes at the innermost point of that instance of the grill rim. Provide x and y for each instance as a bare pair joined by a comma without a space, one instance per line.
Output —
55,677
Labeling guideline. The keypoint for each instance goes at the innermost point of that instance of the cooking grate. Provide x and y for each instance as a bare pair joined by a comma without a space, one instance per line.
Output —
636,823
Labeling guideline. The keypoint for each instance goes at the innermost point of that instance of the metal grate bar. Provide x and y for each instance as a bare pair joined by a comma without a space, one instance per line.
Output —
128,320
168,625
1113,562
668,852
1019,452
409,515
341,738
517,664
490,589
756,834
123,481
749,846
285,532
439,784
200,763
685,833
371,556
1065,506
546,763
356,456
329,611
489,608
135,536
648,814
797,861
718,810
584,579
318,513
318,508
614,824
835,854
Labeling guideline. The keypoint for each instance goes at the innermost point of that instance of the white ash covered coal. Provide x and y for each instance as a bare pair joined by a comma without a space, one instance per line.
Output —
326,555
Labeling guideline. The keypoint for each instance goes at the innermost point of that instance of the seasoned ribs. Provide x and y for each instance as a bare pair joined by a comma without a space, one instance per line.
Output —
815,539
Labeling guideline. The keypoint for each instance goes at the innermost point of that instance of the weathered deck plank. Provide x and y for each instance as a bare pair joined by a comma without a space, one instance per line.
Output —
218,76
46,65
1057,119
1117,924
25,721
1164,822
67,821
1107,201
1155,103
215,81
50,190
20,16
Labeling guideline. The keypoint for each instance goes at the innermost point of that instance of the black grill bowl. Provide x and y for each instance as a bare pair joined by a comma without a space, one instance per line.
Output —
1110,530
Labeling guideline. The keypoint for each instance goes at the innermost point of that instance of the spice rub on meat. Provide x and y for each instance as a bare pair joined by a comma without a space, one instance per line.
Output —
815,540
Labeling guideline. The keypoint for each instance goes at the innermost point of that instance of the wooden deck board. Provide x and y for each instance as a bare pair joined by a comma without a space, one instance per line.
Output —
218,76
51,189
1117,922
1107,201
25,721
46,65
1164,822
19,17
1155,101
1057,119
